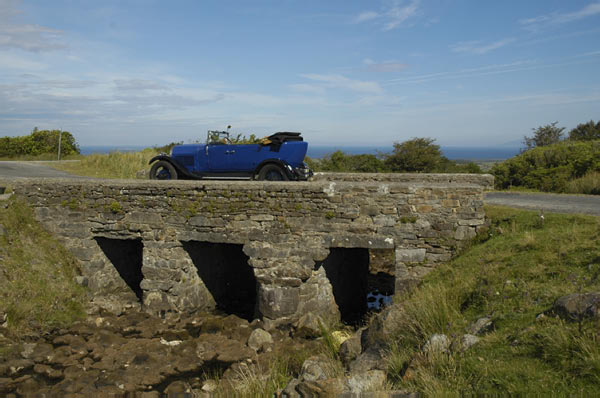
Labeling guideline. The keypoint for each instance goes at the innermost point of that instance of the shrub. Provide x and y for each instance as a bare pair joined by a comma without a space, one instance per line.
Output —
549,168
39,142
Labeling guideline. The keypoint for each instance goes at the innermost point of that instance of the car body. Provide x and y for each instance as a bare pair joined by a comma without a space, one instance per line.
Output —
278,157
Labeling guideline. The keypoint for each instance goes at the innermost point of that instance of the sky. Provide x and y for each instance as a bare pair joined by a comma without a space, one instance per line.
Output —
342,72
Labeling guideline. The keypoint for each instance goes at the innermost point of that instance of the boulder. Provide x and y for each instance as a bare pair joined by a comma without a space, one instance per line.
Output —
372,380
260,340
437,343
308,326
467,341
314,368
576,306
350,349
480,326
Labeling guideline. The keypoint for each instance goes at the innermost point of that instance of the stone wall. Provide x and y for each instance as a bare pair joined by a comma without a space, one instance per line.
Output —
281,230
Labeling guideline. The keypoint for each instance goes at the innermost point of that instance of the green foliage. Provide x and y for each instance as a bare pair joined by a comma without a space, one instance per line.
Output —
341,162
37,143
37,290
416,155
585,132
544,135
166,148
513,276
549,168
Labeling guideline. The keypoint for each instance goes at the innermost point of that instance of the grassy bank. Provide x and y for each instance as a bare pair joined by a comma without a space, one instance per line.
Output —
514,276
113,165
37,291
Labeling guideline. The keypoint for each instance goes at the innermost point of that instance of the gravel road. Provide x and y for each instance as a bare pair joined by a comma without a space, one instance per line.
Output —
548,202
30,169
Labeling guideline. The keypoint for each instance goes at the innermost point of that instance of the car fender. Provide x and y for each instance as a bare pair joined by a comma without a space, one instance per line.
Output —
181,170
285,166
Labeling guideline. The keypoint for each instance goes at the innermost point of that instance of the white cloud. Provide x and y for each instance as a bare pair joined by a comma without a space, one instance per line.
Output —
478,47
393,16
398,14
386,66
307,88
339,81
26,37
539,22
366,16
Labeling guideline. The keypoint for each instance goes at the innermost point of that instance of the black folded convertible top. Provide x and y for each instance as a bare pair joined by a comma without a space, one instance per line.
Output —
283,136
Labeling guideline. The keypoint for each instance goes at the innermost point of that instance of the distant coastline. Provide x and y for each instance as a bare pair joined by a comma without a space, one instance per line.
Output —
318,151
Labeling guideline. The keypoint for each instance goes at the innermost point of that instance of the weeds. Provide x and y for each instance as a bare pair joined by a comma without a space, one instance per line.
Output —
37,290
114,165
514,275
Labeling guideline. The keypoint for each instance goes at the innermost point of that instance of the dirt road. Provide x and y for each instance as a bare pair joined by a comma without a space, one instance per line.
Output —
548,202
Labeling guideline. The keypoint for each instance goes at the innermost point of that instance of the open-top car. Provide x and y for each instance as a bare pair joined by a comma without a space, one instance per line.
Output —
279,157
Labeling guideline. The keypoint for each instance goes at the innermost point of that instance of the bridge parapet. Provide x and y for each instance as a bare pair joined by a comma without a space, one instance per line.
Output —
274,250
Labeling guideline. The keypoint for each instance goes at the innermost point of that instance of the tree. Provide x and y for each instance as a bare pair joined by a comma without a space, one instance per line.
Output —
416,155
585,132
544,135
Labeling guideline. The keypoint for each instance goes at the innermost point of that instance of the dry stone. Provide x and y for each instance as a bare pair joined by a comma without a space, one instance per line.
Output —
284,229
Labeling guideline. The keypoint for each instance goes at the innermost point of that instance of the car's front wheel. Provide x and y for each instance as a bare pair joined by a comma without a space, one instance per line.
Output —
163,170
272,172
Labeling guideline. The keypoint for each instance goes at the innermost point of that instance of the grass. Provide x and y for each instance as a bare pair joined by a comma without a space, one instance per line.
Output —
37,291
588,184
123,165
517,272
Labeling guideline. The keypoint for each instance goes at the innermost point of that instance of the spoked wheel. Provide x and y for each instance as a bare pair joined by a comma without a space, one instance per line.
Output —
163,170
272,172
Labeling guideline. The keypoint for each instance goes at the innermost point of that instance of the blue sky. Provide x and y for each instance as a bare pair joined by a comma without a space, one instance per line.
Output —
133,72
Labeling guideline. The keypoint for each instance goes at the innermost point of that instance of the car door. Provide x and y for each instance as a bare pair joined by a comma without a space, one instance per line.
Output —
219,158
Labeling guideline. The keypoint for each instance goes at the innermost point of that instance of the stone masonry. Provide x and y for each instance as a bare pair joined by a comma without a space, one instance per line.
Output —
286,228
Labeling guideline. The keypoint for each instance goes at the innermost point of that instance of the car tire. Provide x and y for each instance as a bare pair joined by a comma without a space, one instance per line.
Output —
272,172
163,170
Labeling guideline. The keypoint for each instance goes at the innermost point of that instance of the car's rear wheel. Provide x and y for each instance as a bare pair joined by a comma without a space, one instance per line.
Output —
272,172
163,170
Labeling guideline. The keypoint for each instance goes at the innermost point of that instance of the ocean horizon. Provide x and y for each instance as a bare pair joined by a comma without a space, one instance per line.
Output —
319,151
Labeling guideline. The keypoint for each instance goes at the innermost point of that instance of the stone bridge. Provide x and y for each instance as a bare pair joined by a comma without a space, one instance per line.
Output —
268,250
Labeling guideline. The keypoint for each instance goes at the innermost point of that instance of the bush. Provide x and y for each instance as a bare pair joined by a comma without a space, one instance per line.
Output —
585,132
549,168
39,142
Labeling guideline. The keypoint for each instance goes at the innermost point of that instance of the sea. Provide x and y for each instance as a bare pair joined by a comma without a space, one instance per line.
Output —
319,151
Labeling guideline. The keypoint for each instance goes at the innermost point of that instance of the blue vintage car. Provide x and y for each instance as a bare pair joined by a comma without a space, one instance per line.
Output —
279,157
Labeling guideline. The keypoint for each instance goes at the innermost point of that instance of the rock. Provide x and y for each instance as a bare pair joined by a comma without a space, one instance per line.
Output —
290,389
209,386
28,349
373,380
480,326
313,368
321,388
370,359
259,340
350,349
576,306
308,326
142,174
437,343
467,341
178,389
2,230
81,280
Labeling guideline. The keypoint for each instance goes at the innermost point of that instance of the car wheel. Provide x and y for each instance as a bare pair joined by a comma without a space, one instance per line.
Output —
272,172
163,170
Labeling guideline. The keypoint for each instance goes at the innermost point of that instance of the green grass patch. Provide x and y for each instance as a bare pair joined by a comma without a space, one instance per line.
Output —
522,266
37,290
123,165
